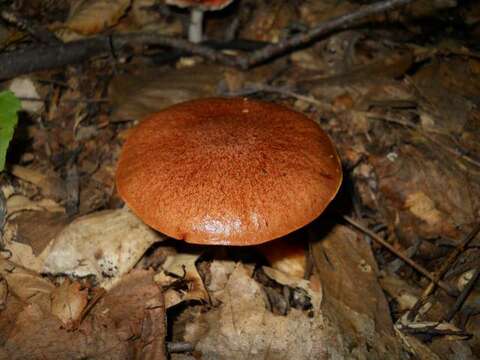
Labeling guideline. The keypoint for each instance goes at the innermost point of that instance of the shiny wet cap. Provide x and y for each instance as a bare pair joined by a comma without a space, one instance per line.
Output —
228,171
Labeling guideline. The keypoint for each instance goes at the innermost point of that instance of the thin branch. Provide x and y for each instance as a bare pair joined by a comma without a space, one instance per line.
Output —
88,101
402,256
463,296
430,330
458,250
253,88
28,60
452,151
36,58
341,22
179,347
24,61
425,134
443,269
204,51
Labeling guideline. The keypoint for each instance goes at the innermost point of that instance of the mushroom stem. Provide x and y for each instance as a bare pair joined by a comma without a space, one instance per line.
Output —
195,27
287,255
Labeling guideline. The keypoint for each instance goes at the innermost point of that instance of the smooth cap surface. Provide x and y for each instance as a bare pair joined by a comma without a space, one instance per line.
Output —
228,171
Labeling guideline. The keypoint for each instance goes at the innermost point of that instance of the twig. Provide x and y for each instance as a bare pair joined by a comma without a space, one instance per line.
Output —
28,60
288,92
424,133
204,51
179,347
458,250
236,44
98,293
24,61
402,256
302,39
463,296
443,269
36,58
454,152
88,101
252,88
429,330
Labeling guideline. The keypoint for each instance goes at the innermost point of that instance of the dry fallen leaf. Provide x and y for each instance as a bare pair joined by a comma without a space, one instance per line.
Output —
412,192
242,327
23,255
404,295
106,244
68,302
289,280
37,228
220,271
115,328
37,334
48,182
27,285
181,269
29,233
18,203
93,16
134,96
127,302
420,205
145,18
353,299
24,87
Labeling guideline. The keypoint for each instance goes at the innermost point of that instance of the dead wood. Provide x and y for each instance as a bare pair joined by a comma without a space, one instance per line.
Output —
32,59
301,39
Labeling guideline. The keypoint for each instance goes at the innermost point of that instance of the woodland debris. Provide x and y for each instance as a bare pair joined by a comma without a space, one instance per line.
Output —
89,17
105,245
242,325
402,102
180,280
353,300
30,60
117,326
134,96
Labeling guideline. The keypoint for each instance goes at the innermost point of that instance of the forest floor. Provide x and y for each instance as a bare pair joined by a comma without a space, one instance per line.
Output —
398,92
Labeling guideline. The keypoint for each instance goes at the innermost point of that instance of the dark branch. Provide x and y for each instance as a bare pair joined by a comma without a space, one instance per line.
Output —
302,39
28,60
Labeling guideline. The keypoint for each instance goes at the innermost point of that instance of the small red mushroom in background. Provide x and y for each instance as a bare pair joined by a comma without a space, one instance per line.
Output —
197,8
236,171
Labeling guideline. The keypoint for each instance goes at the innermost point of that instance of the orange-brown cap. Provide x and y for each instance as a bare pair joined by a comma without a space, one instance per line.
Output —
228,171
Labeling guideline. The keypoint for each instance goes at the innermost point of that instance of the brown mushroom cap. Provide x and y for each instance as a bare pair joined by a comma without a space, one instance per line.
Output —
228,171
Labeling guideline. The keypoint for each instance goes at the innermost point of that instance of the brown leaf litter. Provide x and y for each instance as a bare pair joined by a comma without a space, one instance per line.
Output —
406,122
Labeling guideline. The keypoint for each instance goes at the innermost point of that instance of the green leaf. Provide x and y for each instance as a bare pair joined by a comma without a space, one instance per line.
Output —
9,106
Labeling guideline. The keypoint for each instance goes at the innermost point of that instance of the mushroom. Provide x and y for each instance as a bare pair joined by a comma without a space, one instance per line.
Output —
228,171
197,8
